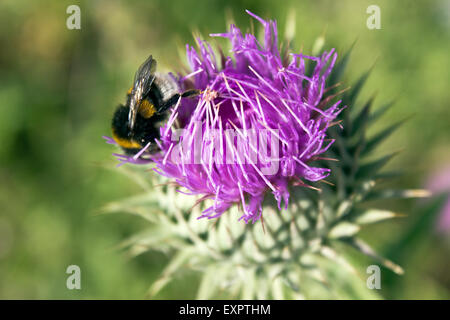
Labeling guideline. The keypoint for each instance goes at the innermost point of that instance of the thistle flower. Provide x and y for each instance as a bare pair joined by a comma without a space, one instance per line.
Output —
258,125
281,110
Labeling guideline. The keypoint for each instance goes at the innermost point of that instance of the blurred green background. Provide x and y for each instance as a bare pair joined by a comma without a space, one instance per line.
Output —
58,89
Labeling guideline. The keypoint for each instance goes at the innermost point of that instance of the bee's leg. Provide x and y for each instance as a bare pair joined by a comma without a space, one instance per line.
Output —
190,93
166,105
174,99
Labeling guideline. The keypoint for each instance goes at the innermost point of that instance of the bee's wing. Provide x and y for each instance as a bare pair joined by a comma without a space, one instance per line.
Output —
145,75
143,80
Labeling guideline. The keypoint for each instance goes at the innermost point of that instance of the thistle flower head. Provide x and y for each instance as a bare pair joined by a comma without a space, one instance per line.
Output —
256,128
262,120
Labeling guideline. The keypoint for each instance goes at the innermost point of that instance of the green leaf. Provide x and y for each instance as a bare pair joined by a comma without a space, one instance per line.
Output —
360,121
332,255
344,230
317,275
179,260
397,194
419,230
375,215
369,169
158,238
277,289
373,142
339,68
262,288
248,290
364,248
208,284
374,116
350,97
318,46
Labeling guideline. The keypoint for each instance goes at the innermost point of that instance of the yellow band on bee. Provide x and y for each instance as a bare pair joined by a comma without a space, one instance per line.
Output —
126,143
146,109
130,91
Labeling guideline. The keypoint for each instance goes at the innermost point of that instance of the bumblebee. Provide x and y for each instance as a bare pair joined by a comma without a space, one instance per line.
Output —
137,123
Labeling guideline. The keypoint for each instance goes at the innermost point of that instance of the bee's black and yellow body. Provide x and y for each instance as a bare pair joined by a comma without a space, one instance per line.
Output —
144,131
137,123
